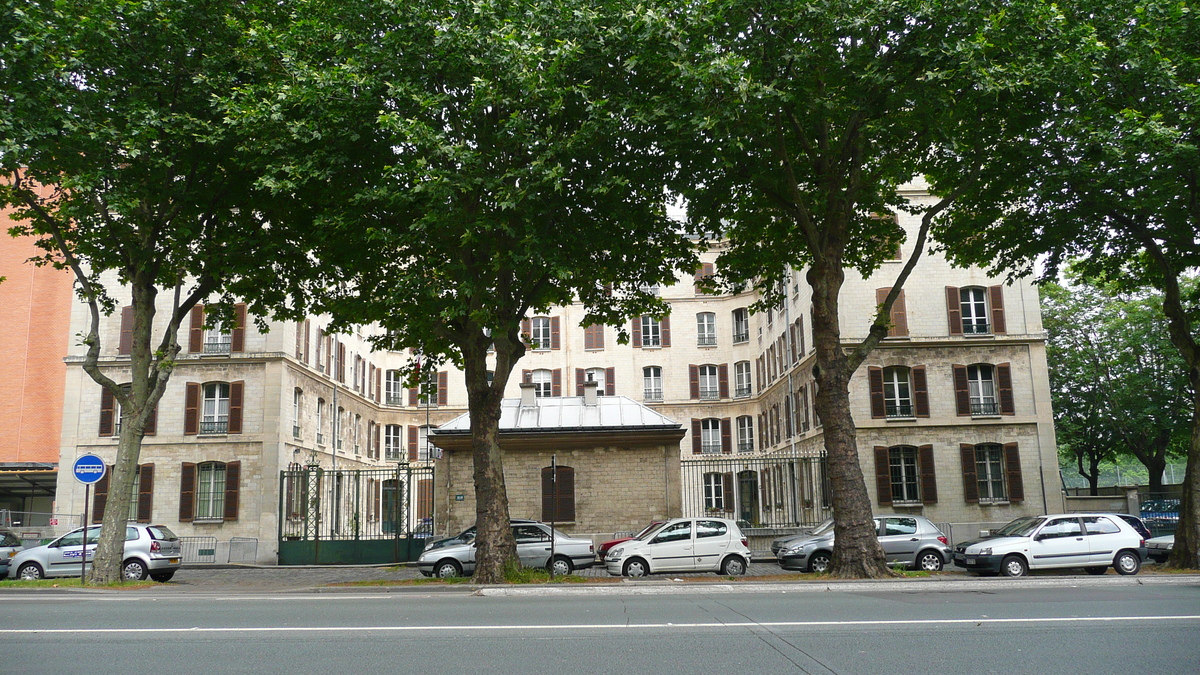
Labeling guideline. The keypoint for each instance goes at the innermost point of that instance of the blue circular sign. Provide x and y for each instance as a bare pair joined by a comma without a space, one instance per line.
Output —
89,469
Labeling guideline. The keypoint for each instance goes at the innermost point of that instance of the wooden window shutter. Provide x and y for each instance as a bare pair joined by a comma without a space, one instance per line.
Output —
920,391
695,436
723,380
196,331
962,394
610,381
580,376
555,336
589,338
996,296
792,334
800,334
635,330
899,317
108,408
151,427
125,344
413,396
187,492
425,498
413,438
558,501
954,310
928,475
665,326
191,409
443,388
883,476
1012,466
100,495
306,342
875,379
694,381
378,447
1004,389
236,391
378,385
787,415
727,493
526,331
233,476
299,340
238,339
341,363
598,336
970,479
556,382
726,436
758,365
145,499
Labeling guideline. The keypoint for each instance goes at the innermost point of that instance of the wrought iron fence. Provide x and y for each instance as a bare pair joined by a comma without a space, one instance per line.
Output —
776,491
320,504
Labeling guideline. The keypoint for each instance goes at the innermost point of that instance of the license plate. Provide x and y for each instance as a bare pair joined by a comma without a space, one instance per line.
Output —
970,561
173,561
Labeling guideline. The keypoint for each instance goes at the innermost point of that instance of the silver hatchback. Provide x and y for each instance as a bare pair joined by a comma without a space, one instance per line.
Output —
912,541
150,550
456,556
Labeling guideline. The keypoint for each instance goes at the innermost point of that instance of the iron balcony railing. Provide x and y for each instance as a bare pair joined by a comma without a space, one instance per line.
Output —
710,393
741,337
707,341
217,347
745,446
214,426
653,394
394,399
710,448
899,410
741,390
984,408
976,328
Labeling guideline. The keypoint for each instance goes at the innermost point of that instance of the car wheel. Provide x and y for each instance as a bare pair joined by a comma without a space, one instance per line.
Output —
30,572
930,561
819,562
447,569
561,566
1127,562
1014,566
161,577
133,570
635,568
1097,569
733,566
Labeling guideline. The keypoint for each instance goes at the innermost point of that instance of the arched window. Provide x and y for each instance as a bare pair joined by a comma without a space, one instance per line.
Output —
542,382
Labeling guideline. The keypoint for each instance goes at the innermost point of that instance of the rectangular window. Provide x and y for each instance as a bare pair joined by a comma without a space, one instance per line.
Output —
217,340
741,325
210,491
652,386
651,332
710,436
989,471
391,442
423,449
974,311
741,379
596,375
709,383
543,383
541,332
393,387
981,388
745,433
897,395
714,491
903,463
296,396
215,419
706,329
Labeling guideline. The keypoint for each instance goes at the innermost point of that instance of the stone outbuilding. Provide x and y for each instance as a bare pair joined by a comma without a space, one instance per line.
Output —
617,460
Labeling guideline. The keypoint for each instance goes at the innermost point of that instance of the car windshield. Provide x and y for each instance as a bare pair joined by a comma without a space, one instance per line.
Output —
1021,527
824,527
161,532
649,531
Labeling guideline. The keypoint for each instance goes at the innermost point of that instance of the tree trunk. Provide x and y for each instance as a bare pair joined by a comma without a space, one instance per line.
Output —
856,552
1186,552
495,548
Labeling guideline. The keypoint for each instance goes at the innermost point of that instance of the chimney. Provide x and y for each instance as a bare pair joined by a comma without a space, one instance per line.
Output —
589,392
528,395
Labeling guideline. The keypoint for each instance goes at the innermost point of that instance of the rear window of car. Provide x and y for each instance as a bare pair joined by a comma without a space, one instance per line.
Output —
1100,525
161,532
710,528
7,539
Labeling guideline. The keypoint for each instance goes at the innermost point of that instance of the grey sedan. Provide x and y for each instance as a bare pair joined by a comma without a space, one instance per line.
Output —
10,546
909,540
150,550
533,548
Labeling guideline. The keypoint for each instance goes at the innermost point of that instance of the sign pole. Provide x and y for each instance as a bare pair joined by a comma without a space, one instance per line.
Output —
87,500
88,469
554,510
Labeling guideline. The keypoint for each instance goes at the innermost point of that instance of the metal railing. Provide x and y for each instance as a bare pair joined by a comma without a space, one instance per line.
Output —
741,337
652,394
320,438
706,341
976,328
899,410
243,550
394,399
709,393
217,347
214,426
771,493
197,550
984,408
319,504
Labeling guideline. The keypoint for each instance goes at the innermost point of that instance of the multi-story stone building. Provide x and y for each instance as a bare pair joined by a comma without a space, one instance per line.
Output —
953,409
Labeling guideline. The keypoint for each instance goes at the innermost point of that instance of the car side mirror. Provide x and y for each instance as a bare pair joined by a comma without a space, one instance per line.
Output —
985,533
1040,537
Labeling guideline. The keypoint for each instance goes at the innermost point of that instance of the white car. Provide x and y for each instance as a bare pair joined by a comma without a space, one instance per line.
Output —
1159,548
683,545
1093,541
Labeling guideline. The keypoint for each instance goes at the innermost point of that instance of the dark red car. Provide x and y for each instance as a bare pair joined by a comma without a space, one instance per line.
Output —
602,549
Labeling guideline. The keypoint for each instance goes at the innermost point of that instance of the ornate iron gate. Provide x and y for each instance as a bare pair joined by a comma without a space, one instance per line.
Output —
358,516
775,491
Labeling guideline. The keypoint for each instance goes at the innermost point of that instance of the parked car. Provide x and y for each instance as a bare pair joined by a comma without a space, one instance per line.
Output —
10,545
457,556
1136,523
1159,548
909,540
1093,541
150,550
604,547
466,536
788,541
683,545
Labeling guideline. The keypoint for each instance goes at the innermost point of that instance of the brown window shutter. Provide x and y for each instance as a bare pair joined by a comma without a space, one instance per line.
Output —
233,476
443,388
598,337
996,296
100,495
665,325
787,415
191,409
145,503
727,491
413,396
235,406
548,489
920,391
723,380
341,363
555,336
883,476
954,310
238,339
125,345
196,331
589,338
425,498
880,296
566,493
1004,389
928,475
970,480
758,365
151,427
1012,466
413,438
556,382
726,436
329,357
694,381
378,385
306,342
899,317
695,436
378,451
527,331
962,395
187,492
635,330
580,375
795,346
610,381
108,408
875,380
299,340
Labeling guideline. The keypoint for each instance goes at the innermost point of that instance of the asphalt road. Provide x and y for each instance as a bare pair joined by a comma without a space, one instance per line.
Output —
1051,625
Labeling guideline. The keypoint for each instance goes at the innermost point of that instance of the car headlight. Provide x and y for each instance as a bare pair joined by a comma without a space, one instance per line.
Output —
984,551
795,550
616,553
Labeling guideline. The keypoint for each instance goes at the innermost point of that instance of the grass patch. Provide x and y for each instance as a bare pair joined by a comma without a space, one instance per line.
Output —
76,583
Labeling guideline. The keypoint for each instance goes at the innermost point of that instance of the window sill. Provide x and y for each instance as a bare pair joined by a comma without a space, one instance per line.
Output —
651,347
907,505
996,502
207,521
901,418
994,416
212,435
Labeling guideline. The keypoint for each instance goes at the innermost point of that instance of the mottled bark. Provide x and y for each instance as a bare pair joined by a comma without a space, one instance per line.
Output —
1186,552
